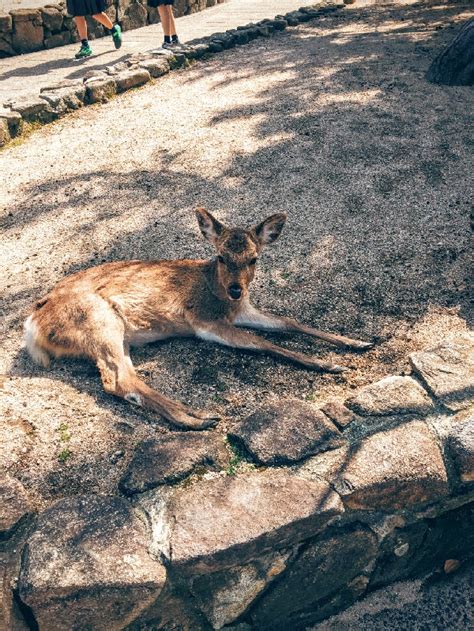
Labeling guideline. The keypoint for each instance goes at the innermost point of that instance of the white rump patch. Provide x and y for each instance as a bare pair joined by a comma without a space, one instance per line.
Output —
37,354
134,398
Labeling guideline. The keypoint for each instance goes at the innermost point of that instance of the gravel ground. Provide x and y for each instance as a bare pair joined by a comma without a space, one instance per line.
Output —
332,122
444,603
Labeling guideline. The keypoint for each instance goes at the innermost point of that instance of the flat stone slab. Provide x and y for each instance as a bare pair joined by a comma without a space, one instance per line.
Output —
87,566
392,469
323,569
391,395
286,432
14,505
448,370
230,520
170,459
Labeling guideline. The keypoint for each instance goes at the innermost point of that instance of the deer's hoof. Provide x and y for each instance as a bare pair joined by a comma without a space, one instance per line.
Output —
336,369
363,346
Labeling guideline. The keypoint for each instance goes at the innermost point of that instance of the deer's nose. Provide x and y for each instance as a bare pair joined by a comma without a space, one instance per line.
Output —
234,291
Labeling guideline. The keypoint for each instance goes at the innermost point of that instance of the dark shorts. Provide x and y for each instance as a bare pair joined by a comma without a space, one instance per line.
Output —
159,3
86,7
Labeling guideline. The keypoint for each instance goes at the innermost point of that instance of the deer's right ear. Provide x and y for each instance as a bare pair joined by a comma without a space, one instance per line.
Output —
210,227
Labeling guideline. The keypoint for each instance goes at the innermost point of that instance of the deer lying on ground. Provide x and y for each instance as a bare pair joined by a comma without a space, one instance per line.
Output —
101,312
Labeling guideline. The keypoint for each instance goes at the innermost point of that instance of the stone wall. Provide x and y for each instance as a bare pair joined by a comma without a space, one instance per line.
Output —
299,512
32,29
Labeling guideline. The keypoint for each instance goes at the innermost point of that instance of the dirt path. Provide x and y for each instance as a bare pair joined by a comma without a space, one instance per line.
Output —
25,75
332,122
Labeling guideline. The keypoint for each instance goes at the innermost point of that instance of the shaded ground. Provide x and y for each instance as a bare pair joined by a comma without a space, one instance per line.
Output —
445,602
332,122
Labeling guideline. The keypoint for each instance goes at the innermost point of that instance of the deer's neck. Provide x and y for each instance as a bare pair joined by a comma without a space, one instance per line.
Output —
212,281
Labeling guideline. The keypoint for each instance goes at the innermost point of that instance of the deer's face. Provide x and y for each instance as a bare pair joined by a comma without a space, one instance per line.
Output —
236,260
238,250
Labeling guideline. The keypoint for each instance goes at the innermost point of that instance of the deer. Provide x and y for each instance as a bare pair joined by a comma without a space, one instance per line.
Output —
101,312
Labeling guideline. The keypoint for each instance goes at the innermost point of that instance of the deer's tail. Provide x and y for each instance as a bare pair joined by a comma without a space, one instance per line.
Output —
32,341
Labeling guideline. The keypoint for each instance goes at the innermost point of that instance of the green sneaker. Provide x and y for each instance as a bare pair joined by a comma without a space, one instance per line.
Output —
84,51
117,35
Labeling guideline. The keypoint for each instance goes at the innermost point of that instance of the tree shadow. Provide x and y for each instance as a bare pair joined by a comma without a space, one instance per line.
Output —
378,224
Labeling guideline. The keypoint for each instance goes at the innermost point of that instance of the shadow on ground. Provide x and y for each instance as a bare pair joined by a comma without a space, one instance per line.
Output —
376,245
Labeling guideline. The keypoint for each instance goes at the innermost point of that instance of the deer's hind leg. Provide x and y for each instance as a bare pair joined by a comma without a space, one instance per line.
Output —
120,379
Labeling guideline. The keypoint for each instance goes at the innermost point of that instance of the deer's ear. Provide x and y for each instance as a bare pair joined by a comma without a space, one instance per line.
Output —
210,227
269,230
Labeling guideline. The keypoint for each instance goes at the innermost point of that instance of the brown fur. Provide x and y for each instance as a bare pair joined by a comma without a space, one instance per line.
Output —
101,311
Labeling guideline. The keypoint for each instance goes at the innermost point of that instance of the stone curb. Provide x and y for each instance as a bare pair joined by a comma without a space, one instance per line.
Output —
391,499
57,100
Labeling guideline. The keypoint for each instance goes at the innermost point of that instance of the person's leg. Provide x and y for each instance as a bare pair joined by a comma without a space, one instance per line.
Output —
163,10
104,19
85,50
171,21
81,24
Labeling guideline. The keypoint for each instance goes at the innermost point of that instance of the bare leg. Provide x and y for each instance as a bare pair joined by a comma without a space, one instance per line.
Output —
167,20
81,24
254,319
104,19
228,335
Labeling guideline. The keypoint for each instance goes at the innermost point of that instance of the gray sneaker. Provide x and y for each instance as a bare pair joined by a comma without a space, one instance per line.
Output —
176,45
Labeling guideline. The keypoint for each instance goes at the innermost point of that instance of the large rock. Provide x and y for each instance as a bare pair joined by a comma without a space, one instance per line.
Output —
286,432
326,568
448,370
6,23
65,99
6,48
52,19
171,458
87,566
156,67
131,78
135,16
421,547
14,505
391,470
230,520
338,413
13,120
32,109
60,39
4,132
100,90
461,448
27,30
224,596
174,610
391,395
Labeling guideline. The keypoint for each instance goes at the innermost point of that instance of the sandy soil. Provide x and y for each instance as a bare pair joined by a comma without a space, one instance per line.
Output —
332,122
440,603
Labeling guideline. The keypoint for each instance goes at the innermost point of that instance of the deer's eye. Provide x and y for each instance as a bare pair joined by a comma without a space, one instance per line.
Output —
253,261
220,259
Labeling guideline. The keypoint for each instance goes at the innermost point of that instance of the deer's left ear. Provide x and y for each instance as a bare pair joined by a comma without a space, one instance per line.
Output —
269,230
210,227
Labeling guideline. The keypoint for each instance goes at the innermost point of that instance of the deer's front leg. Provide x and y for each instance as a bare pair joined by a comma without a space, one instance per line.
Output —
228,335
255,319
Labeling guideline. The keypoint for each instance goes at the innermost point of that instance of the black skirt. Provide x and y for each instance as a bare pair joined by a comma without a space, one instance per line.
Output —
159,3
86,7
